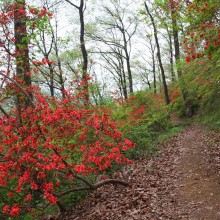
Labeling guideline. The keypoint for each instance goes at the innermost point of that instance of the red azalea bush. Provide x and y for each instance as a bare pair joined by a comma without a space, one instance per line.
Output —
49,147
57,145
203,36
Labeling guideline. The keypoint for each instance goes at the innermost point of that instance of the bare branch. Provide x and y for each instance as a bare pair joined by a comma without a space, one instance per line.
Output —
20,87
4,112
95,186
72,4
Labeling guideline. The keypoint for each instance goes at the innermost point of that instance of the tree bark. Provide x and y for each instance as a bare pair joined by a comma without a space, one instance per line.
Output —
187,102
21,42
154,66
171,56
130,78
21,55
123,75
60,74
159,56
84,51
81,9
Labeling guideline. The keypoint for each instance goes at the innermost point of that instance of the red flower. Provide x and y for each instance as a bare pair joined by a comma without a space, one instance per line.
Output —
33,11
79,168
188,59
10,194
34,186
202,35
52,199
198,55
6,209
128,143
15,211
28,198
83,148
48,186
185,39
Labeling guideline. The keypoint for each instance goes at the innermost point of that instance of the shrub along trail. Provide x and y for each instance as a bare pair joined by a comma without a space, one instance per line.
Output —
181,182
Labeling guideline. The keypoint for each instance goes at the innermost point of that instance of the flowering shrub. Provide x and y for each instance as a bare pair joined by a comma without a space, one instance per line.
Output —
203,36
141,118
57,143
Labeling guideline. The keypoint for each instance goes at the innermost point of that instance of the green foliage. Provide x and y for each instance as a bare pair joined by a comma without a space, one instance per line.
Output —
142,118
210,114
178,106
143,137
147,141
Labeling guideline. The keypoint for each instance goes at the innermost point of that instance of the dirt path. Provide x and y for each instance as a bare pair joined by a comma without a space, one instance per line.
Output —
181,182
199,173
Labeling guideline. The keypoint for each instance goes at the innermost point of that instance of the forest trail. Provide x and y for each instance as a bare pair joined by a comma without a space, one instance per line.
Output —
181,182
199,171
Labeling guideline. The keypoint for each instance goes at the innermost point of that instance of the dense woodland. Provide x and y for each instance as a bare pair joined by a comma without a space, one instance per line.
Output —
89,86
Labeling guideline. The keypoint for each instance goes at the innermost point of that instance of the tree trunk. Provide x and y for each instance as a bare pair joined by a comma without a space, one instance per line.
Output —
187,102
154,67
130,78
84,51
21,43
21,54
51,80
171,56
159,57
124,83
154,74
60,74
81,10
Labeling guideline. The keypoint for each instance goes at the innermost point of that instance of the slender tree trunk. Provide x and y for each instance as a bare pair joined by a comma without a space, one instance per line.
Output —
130,78
154,67
159,57
187,102
124,83
81,10
83,50
120,86
46,56
51,80
171,56
155,79
62,87
148,83
159,77
60,74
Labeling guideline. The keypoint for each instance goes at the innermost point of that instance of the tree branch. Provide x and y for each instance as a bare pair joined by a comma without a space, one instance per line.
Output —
20,87
72,4
95,186
4,112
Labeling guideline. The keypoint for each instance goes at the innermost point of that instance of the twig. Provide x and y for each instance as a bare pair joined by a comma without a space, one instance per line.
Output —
20,87
4,112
